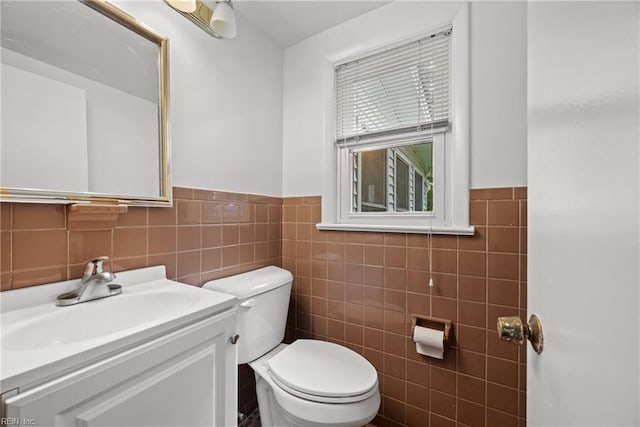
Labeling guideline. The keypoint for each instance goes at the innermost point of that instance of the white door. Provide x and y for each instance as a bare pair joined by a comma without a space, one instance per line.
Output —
584,212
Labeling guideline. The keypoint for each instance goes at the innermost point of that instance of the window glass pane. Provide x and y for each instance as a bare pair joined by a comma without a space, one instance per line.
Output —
418,192
374,181
419,157
396,179
402,185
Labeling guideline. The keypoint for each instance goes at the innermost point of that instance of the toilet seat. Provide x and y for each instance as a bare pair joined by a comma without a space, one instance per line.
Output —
321,371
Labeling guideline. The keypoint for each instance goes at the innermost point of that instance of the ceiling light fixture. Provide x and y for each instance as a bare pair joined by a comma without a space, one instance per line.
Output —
187,6
219,21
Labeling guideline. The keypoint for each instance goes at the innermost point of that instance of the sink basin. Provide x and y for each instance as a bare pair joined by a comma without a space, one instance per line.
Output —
37,336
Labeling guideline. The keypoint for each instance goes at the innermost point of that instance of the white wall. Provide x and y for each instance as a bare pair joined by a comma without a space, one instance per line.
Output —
226,104
498,94
44,132
498,88
122,123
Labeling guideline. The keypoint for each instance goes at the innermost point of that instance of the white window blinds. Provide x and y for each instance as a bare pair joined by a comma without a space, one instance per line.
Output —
403,89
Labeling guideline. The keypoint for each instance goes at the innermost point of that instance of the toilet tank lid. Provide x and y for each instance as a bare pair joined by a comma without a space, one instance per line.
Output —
251,283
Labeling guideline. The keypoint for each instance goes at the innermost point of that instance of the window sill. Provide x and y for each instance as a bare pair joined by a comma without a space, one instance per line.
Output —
437,229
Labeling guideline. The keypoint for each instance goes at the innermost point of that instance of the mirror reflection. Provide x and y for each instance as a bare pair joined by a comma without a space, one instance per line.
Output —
81,102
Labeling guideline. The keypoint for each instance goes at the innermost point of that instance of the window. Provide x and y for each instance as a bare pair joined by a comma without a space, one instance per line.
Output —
401,136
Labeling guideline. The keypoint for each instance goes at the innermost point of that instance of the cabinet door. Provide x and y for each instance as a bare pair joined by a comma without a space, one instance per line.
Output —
185,378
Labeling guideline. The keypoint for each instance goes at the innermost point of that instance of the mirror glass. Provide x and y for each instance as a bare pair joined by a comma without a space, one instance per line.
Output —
83,104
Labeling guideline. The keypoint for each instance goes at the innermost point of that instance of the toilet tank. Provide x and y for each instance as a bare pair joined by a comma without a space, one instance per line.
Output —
263,299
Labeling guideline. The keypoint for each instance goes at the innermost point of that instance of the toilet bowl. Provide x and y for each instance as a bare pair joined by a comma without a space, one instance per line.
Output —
306,383
302,397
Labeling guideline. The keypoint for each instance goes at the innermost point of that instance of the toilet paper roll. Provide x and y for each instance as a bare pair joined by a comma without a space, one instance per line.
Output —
429,342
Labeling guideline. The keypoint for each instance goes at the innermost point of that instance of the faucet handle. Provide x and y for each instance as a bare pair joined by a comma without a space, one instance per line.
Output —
94,266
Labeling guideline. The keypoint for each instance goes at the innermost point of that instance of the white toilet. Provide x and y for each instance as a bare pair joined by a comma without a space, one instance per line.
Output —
306,383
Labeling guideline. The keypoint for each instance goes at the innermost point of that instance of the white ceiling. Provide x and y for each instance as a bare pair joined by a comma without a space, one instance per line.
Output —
288,22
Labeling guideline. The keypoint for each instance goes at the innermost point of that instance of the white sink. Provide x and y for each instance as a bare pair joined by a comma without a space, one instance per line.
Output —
38,336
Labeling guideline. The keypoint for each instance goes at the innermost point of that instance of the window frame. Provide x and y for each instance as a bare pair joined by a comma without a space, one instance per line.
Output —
451,214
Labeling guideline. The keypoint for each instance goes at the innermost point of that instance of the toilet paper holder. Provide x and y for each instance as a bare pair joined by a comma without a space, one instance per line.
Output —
444,325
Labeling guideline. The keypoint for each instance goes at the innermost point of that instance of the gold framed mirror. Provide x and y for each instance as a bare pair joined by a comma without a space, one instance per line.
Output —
85,92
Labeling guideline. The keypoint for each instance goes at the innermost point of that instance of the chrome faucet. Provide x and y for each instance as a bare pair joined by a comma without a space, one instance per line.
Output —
93,285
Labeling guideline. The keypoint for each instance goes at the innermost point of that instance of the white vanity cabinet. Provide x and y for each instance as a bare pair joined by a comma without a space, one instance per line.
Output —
184,378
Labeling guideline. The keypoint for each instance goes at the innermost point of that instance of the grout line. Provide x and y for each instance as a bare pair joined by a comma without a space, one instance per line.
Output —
67,242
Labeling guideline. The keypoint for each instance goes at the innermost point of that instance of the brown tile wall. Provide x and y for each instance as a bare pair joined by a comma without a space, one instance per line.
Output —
356,289
359,289
205,235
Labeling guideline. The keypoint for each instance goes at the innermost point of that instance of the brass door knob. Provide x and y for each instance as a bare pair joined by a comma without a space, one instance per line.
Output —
512,329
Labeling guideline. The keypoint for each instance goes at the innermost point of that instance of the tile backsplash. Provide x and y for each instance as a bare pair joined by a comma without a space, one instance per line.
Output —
205,235
354,288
